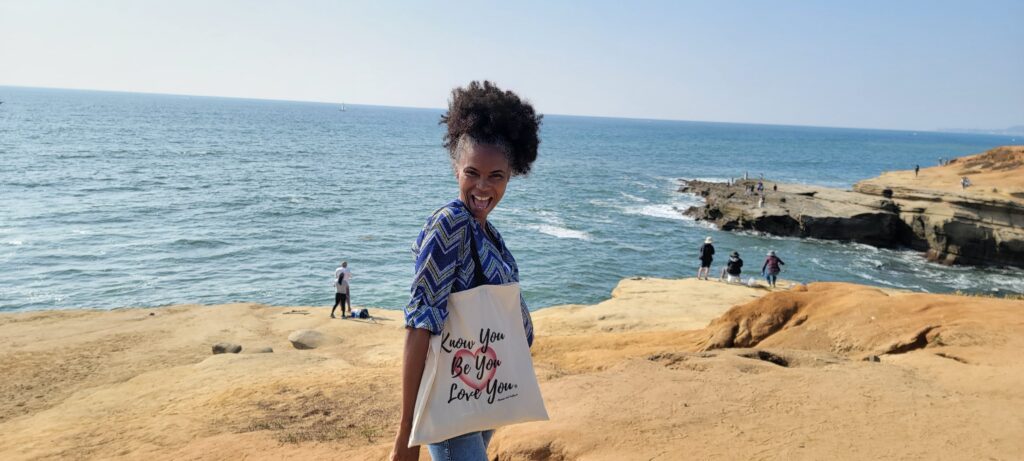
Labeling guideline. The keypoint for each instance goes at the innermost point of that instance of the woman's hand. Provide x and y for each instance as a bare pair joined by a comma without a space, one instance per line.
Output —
402,452
417,342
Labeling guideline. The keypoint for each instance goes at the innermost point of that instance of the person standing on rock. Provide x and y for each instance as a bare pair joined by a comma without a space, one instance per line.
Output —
341,289
492,136
917,168
707,253
771,268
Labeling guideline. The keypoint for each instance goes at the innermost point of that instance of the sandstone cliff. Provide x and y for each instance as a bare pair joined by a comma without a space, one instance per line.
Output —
982,224
664,370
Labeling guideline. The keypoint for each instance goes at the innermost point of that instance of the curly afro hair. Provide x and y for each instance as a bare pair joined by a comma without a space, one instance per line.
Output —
483,113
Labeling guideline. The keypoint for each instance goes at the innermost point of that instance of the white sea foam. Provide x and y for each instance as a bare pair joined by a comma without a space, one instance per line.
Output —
555,226
633,197
664,211
14,242
562,232
883,281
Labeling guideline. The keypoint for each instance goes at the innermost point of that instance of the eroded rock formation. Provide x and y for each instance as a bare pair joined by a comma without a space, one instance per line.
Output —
982,224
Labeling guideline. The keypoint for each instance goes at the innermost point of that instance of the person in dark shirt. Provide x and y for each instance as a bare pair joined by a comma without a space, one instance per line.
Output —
707,252
732,269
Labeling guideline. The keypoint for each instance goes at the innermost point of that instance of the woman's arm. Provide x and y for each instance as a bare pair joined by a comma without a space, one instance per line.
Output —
413,361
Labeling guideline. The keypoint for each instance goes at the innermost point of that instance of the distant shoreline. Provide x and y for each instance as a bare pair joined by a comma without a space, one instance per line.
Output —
439,110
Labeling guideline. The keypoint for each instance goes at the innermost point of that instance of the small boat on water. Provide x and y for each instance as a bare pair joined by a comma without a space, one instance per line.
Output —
342,108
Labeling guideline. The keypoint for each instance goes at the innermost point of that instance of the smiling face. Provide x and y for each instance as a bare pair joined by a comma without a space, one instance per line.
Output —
483,172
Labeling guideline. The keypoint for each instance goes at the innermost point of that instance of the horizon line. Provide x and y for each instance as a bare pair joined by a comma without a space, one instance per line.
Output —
968,131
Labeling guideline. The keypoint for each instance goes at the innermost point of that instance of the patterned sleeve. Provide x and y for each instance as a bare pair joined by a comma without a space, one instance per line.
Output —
437,262
527,320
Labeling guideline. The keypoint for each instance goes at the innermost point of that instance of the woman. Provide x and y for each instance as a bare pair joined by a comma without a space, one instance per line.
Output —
491,137
733,268
707,253
771,268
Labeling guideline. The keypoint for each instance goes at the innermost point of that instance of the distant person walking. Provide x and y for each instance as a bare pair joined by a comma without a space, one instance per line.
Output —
342,275
760,187
732,269
771,268
917,168
965,182
707,253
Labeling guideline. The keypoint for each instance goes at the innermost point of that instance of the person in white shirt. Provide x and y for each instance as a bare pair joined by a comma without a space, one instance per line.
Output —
342,275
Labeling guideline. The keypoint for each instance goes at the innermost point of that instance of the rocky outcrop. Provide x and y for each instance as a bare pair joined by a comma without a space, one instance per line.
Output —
306,339
979,225
800,211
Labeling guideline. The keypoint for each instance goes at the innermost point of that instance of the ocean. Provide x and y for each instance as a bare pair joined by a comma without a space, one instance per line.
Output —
119,199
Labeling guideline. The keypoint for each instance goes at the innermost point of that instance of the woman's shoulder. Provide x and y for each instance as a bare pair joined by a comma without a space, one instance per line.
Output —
453,214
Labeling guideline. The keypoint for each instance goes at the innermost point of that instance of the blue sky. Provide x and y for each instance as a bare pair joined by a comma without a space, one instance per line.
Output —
877,64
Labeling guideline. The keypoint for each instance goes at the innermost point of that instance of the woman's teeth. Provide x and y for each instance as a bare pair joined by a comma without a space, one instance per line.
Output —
481,202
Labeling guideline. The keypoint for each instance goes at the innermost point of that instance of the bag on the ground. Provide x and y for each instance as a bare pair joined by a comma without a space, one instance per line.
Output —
360,314
479,373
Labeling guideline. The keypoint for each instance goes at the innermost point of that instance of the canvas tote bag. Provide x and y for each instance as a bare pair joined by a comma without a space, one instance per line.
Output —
479,373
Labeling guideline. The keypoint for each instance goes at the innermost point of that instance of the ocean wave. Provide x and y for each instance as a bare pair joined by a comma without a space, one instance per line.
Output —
562,232
664,211
645,185
633,197
555,226
636,248
882,281
15,242
199,243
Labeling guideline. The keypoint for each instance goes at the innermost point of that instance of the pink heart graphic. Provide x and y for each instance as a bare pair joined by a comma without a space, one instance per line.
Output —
470,357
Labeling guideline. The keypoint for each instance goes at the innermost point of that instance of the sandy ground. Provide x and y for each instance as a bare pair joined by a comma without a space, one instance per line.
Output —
665,369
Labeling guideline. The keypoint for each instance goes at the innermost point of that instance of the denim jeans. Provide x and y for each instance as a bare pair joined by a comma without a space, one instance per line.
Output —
466,447
771,278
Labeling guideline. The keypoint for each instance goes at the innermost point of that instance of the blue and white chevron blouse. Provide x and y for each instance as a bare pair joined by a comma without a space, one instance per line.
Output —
445,265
